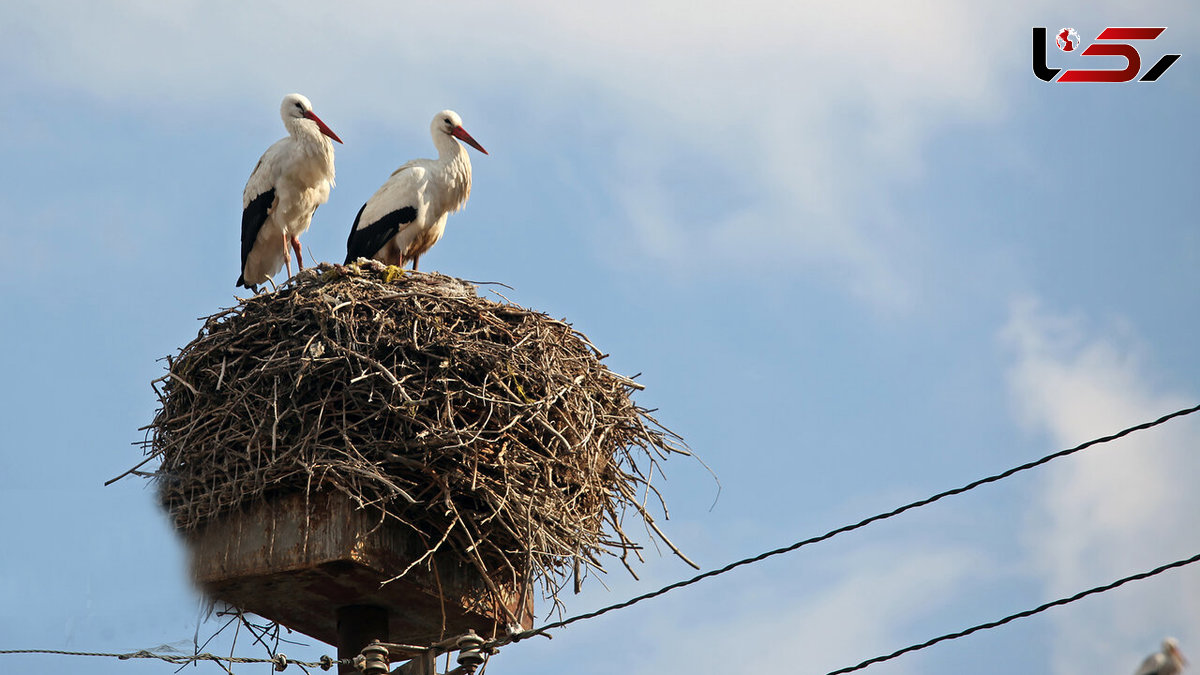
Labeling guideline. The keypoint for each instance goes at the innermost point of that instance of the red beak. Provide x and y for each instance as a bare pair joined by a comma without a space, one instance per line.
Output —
1179,655
461,134
321,125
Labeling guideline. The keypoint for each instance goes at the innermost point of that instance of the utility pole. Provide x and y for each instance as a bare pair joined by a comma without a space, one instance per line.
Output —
357,627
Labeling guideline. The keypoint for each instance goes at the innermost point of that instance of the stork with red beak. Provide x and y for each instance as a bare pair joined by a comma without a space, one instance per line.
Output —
1169,661
292,178
408,214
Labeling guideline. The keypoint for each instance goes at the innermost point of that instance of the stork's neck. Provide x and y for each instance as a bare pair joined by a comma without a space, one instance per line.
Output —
454,169
449,149
313,143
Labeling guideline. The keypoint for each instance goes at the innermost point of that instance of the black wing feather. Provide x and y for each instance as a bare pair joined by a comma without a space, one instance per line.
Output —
365,243
253,217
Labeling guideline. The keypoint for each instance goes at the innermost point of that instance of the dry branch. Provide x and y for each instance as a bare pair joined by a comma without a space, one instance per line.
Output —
493,431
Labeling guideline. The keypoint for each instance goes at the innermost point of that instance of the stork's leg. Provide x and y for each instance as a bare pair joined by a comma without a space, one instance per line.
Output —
296,248
415,259
287,258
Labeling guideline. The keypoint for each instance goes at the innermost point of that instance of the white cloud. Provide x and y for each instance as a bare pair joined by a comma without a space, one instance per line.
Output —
1114,510
807,122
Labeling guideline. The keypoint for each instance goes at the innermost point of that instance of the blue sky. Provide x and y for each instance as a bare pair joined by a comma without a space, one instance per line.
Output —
859,253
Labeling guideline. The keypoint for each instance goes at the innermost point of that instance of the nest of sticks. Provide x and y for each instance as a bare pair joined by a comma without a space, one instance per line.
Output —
493,431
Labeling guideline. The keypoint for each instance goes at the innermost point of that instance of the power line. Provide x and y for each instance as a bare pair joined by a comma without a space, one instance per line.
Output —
847,528
281,661
326,662
1019,615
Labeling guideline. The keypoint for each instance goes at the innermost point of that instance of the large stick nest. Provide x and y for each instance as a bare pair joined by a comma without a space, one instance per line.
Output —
493,431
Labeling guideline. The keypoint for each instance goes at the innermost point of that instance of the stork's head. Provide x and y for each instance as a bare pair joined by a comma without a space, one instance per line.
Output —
448,122
296,107
1170,647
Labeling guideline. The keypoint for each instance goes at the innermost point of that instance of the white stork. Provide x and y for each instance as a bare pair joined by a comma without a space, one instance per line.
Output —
1166,662
292,178
407,216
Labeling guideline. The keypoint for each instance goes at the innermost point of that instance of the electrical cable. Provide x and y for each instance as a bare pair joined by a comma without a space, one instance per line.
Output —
847,528
281,661
1019,615
326,662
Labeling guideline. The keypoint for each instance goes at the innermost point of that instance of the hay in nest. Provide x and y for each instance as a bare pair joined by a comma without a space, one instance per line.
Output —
492,431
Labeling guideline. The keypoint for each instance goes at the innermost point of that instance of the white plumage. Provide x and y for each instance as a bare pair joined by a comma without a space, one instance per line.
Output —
1169,661
292,178
407,215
